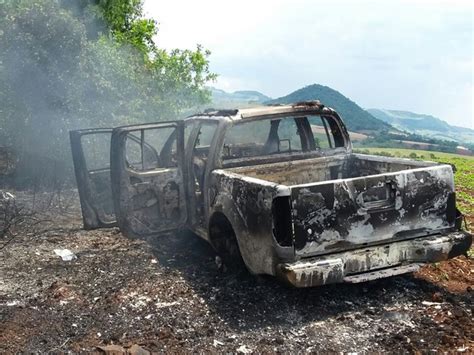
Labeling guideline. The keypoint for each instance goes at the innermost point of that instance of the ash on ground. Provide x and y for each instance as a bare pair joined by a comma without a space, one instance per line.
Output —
167,294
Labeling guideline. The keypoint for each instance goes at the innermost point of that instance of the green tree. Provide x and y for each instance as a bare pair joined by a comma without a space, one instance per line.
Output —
125,21
93,64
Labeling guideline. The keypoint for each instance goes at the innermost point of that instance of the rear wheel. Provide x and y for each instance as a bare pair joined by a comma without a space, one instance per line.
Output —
225,243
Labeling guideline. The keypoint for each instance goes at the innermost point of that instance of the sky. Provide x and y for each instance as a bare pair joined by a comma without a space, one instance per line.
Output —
414,55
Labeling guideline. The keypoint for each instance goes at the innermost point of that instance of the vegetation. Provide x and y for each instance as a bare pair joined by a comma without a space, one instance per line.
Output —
354,116
387,139
87,63
463,178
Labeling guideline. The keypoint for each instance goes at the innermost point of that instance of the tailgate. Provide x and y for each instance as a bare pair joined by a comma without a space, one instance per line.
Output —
351,213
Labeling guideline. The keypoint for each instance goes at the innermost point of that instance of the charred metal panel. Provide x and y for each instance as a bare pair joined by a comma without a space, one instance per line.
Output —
93,184
317,169
297,172
247,203
375,262
101,196
150,200
154,202
350,213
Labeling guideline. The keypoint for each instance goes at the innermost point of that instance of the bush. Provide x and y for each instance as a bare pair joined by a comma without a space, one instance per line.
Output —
384,154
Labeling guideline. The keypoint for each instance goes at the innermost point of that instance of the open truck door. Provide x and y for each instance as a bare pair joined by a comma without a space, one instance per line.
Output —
91,156
147,171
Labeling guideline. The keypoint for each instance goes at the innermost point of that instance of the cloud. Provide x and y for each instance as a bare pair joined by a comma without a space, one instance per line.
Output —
408,54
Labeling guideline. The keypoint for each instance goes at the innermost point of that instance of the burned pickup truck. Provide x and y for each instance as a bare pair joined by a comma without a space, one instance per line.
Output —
276,188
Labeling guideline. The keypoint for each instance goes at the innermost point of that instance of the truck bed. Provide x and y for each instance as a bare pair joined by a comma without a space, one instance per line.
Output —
327,168
329,204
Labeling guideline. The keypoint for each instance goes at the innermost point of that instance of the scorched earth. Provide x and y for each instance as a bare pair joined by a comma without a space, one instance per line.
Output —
168,293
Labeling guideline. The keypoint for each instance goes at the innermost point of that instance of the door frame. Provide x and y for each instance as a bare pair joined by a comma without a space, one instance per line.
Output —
89,213
118,168
212,163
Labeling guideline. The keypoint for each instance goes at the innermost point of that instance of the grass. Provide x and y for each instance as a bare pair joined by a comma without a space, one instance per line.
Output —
463,178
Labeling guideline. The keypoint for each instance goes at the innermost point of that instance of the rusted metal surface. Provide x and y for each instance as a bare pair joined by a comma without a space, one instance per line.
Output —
310,216
149,200
374,262
93,184
353,212
247,203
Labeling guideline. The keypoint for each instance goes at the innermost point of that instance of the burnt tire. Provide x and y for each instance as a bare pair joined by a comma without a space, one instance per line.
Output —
225,243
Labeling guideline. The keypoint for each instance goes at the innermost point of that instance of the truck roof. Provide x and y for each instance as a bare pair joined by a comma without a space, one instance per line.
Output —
244,113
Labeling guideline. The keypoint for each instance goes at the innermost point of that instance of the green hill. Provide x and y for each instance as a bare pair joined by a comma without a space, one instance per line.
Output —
356,118
425,125
244,98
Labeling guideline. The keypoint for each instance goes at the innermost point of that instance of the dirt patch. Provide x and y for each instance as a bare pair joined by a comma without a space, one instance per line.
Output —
167,294
456,275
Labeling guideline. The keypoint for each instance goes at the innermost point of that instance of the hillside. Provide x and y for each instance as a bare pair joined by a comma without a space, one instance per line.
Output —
424,125
243,98
356,118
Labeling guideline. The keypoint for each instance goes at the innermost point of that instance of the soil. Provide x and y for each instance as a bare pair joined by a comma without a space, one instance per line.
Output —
167,294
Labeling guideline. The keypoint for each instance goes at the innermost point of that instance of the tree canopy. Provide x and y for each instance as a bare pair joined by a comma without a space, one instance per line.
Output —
88,63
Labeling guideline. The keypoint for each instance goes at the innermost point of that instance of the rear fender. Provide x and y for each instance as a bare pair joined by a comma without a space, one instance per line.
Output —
251,248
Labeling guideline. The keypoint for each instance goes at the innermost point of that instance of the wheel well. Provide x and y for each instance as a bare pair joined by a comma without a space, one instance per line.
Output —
220,228
223,239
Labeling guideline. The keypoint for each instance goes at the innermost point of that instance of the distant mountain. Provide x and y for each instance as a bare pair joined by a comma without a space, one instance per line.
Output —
424,125
356,118
221,98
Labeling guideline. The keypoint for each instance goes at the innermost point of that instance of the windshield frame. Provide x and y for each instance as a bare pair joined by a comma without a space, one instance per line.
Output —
288,155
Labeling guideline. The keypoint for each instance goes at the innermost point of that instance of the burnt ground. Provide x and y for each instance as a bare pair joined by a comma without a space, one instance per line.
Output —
167,294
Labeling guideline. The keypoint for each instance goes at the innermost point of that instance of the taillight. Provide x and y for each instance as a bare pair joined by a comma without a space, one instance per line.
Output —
282,223
451,208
